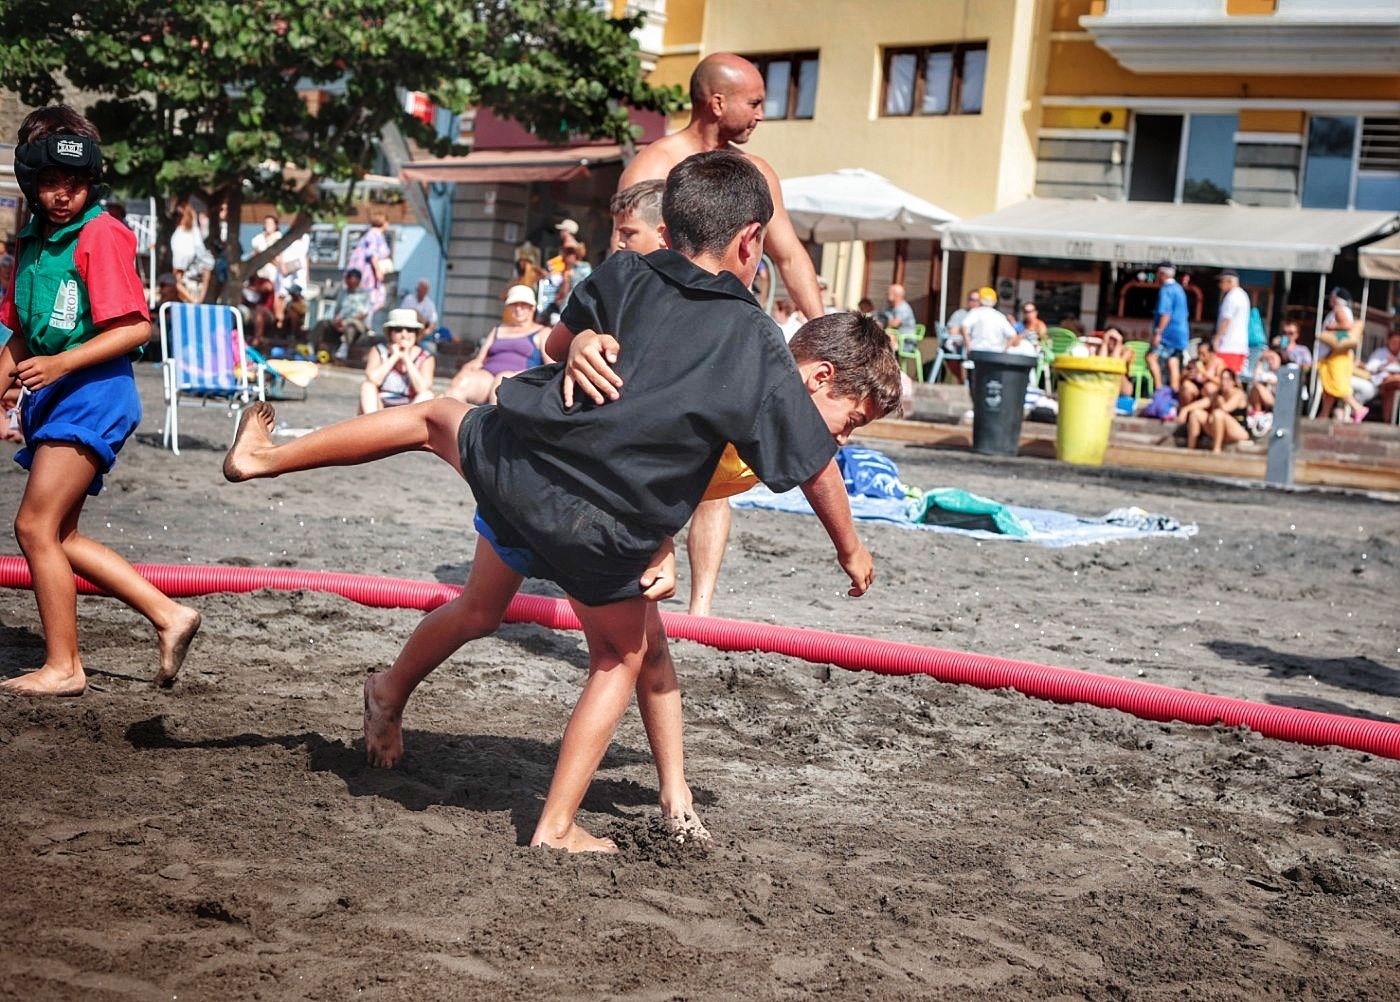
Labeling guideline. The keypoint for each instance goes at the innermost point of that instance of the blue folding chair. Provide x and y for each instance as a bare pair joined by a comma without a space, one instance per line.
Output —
203,358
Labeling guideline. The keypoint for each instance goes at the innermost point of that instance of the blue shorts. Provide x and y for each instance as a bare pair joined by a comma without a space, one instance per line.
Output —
97,407
520,559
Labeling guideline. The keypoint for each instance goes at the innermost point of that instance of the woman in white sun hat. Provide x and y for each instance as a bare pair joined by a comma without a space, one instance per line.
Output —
399,371
513,345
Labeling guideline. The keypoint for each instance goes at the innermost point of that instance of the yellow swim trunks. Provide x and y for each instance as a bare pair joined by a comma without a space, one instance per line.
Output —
732,476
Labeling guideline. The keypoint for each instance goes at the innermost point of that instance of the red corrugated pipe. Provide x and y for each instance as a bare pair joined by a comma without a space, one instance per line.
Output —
1062,685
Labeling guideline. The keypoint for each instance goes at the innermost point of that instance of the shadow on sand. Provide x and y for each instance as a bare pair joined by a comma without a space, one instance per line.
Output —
475,772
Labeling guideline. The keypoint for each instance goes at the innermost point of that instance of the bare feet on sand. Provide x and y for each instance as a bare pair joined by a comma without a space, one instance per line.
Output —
383,728
175,644
254,434
575,839
47,681
685,826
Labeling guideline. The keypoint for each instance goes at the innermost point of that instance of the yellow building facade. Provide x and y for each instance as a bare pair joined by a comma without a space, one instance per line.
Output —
938,96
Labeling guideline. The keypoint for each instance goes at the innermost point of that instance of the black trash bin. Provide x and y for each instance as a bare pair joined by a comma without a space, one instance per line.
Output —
998,386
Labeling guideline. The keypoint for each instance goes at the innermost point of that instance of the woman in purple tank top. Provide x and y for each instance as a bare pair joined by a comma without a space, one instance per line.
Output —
513,345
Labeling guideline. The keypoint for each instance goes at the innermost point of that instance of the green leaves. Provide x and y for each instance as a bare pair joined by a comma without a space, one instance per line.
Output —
200,95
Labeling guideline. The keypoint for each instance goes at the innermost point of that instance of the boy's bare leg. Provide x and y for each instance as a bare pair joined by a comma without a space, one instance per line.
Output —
617,645
659,702
704,543
175,624
430,426
53,497
477,612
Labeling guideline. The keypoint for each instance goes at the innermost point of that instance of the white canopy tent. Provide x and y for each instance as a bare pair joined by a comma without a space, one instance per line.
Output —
1227,236
856,204
1380,260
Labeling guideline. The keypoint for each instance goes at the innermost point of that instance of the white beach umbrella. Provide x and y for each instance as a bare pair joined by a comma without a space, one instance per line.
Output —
857,204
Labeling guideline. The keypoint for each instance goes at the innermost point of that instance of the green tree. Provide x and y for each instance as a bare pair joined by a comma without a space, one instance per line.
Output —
269,99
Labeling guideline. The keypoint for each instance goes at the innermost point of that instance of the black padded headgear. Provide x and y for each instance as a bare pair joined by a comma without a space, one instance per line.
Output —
76,153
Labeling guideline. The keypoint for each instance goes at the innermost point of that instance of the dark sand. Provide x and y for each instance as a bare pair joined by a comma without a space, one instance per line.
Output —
876,838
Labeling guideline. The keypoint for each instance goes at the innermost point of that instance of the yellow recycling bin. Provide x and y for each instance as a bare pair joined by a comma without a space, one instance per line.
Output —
1088,391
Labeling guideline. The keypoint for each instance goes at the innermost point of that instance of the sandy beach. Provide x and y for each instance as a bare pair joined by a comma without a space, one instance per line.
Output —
875,837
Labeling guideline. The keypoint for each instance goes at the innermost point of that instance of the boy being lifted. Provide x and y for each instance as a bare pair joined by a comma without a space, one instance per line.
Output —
589,496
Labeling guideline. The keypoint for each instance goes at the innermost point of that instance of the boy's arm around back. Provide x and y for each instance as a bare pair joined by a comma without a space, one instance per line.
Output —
826,493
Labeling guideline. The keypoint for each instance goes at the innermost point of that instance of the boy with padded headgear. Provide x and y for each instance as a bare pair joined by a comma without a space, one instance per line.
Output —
78,312
589,496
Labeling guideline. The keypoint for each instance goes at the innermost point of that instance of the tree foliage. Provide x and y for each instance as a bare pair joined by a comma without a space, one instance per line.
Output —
210,97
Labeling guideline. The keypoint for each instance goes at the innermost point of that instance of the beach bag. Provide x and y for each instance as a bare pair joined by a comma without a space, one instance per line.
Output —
1258,337
1163,402
868,473
960,509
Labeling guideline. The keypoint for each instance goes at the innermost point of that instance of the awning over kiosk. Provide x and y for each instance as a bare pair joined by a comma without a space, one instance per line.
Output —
545,163
1381,259
1226,236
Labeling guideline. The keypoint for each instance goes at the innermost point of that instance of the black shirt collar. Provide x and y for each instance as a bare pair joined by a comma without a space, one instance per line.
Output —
682,270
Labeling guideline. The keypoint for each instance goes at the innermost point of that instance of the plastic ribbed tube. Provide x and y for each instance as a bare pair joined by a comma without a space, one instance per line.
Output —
885,657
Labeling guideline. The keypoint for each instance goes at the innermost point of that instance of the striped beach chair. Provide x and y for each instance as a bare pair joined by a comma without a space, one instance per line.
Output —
203,358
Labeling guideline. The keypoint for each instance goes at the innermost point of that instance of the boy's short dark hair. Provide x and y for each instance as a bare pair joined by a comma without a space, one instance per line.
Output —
642,199
55,120
859,350
709,198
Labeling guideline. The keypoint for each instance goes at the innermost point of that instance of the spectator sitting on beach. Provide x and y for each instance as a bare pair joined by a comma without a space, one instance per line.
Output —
1288,349
399,372
511,347
1204,375
259,296
988,329
350,318
1220,413
1383,370
1264,383
1031,324
293,313
1112,345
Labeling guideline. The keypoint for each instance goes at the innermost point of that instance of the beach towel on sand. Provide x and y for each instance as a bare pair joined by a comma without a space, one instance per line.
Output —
949,509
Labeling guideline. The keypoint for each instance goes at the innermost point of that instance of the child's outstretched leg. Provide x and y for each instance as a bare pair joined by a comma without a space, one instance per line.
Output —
430,426
477,612
617,646
659,702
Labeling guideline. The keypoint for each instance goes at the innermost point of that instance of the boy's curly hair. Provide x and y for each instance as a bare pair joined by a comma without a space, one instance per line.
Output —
859,350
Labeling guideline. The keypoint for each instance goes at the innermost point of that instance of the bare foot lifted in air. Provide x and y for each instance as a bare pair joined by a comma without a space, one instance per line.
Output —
47,681
175,643
575,839
685,827
383,728
254,434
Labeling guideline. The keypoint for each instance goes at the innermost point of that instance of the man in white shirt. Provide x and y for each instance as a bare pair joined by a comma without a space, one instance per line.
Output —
988,329
419,302
1232,327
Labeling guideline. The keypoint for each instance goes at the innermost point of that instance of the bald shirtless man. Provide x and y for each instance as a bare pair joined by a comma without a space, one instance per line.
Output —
726,98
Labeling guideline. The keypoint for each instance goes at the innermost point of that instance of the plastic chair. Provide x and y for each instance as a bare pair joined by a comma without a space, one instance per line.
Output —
203,357
1139,371
944,355
907,349
1061,339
